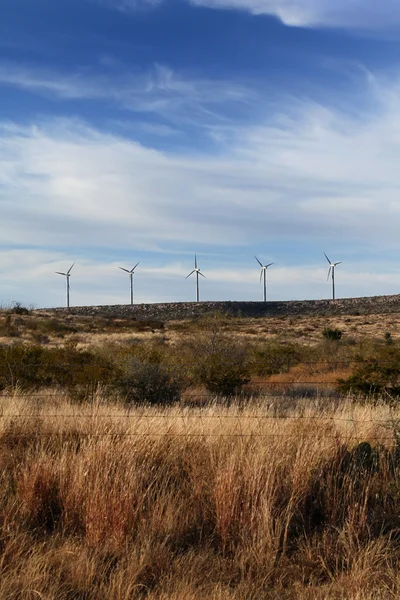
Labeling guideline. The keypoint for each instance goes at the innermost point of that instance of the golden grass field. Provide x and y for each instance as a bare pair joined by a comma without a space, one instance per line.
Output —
275,496
222,503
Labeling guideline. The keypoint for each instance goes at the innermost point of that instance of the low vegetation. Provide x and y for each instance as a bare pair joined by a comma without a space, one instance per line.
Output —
159,363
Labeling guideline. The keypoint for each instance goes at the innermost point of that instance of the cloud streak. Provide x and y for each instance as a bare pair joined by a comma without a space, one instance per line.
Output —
158,91
367,15
127,5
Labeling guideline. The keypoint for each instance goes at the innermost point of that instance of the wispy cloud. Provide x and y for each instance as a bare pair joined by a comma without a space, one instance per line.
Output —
159,91
359,14
125,5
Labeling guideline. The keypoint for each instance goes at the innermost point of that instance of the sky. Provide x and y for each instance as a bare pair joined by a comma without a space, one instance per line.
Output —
151,130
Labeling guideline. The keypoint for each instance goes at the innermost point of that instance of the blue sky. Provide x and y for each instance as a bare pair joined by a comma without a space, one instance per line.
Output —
148,130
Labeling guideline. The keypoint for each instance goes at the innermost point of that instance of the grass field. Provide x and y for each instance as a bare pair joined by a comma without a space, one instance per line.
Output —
288,491
267,501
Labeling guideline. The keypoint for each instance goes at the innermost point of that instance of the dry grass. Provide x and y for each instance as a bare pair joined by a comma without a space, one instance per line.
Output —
266,501
53,329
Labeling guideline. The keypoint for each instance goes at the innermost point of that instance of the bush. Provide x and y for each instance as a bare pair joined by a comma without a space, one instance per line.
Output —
388,338
216,359
8,327
18,309
33,367
272,358
376,375
147,383
333,335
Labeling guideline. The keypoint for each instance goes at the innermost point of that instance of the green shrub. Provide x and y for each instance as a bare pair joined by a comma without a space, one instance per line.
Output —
8,327
33,367
147,383
18,309
376,375
216,359
152,351
20,365
223,373
272,358
332,334
388,338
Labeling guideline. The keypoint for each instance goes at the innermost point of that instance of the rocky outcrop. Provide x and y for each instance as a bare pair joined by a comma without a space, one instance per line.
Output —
190,310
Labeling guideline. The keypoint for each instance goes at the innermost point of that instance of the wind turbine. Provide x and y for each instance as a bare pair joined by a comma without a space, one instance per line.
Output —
198,272
263,274
67,275
131,273
332,267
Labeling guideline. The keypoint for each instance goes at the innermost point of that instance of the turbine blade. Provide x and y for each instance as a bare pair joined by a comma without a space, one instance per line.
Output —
194,271
261,274
132,270
261,265
58,273
195,261
339,263
266,266
70,269
329,272
327,259
202,275
122,268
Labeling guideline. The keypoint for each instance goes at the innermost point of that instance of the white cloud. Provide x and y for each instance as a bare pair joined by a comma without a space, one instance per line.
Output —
314,176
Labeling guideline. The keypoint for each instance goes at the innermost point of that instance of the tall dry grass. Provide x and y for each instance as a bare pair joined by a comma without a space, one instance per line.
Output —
273,500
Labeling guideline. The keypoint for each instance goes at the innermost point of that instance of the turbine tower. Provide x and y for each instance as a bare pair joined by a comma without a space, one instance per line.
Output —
67,275
131,273
198,272
263,274
332,267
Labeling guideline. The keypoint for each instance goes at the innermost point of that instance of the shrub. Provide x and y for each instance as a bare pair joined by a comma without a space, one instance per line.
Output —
272,358
332,334
216,359
18,309
388,338
57,327
8,327
376,375
20,365
152,351
33,367
147,383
